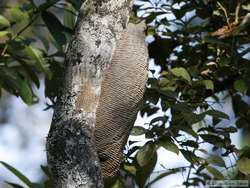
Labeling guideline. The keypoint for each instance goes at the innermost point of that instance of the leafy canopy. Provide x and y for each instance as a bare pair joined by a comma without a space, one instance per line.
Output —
202,48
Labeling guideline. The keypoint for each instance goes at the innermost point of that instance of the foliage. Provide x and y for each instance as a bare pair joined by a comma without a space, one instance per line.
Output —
25,180
203,50
33,39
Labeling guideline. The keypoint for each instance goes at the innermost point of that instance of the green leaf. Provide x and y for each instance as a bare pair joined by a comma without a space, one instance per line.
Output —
229,129
18,15
162,119
4,33
189,130
18,174
217,114
137,131
55,27
181,72
30,72
246,7
190,143
218,42
166,84
143,173
216,160
145,154
216,174
14,185
243,165
4,21
190,156
168,144
130,168
168,92
193,118
37,56
240,86
69,17
208,84
118,184
212,139
182,107
150,30
16,85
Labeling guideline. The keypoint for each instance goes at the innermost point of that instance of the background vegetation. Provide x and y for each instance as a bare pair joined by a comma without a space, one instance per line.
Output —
203,50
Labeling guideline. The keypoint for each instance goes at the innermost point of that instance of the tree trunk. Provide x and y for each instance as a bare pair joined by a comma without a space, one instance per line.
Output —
70,145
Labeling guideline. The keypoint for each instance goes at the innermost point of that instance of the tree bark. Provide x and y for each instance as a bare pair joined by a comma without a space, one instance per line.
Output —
70,145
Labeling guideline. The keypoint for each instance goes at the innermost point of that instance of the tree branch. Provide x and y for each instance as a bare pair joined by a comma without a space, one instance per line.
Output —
70,145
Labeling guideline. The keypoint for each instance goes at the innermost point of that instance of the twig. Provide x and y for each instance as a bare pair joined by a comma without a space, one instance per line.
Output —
20,32
225,13
4,50
189,172
237,10
25,27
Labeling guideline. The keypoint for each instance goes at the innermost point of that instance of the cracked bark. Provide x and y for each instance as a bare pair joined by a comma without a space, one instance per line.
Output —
70,145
